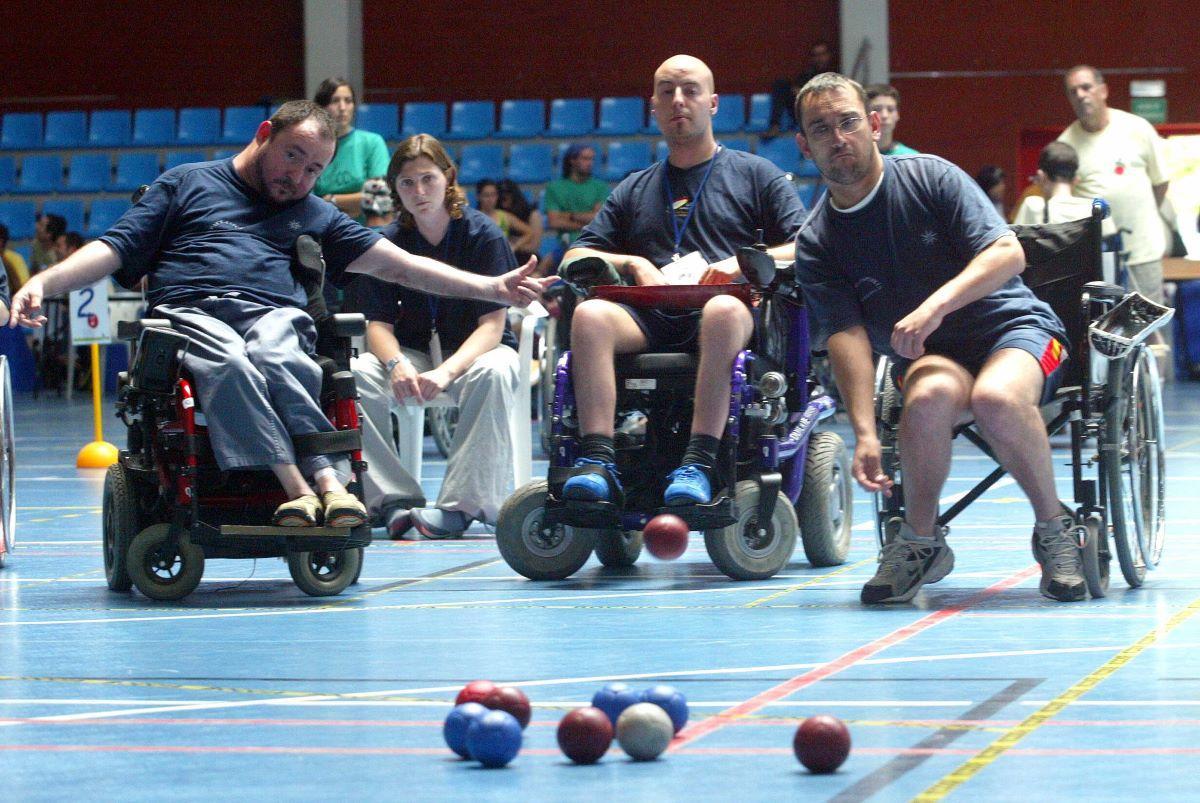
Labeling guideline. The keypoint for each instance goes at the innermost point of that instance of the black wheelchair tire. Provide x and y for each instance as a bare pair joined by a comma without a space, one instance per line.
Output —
533,551
183,566
546,382
120,524
618,550
825,507
888,401
1096,558
729,549
324,574
442,423
8,476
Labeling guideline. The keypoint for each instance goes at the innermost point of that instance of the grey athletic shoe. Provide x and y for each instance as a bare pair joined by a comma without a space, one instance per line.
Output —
1056,546
906,563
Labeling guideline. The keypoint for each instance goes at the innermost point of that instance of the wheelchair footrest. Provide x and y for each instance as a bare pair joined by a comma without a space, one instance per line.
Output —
578,513
268,531
721,512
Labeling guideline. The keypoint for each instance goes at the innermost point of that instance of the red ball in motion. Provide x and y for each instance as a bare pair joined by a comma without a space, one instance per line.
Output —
585,734
822,743
666,536
512,700
474,692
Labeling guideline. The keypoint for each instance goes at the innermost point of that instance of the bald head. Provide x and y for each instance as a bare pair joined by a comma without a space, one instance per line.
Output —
681,67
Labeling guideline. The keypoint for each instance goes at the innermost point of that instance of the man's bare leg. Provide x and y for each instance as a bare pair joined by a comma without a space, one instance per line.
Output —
599,330
725,328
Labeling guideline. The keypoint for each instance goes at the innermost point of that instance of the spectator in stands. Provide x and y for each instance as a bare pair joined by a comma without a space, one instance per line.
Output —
15,269
1056,177
573,200
884,100
992,180
360,154
49,227
487,196
783,91
377,206
513,201
67,244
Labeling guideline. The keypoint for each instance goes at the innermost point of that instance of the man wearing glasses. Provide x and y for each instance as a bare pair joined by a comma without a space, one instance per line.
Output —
906,257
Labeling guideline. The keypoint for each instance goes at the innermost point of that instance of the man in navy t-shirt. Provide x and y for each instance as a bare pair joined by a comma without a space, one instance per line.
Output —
700,204
906,257
217,242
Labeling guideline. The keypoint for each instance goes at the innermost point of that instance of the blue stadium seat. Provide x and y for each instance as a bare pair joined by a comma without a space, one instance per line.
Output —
225,153
424,118
199,125
737,144
20,217
626,156
480,162
177,158
88,172
103,214
522,118
154,127
620,116
240,124
134,170
379,118
8,173
731,114
550,243
782,151
69,209
760,113
21,131
571,117
40,174
472,119
809,192
65,130
26,252
530,163
661,151
110,128
808,169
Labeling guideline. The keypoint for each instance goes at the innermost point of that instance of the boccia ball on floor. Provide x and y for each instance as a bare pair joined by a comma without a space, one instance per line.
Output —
666,536
585,734
475,691
454,731
512,700
822,743
494,739
644,730
613,699
671,700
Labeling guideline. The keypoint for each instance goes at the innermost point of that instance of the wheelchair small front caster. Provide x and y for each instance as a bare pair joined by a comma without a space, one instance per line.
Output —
323,573
162,571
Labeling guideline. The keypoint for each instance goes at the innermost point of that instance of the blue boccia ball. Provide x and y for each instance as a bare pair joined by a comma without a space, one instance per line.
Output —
613,699
454,731
494,739
671,700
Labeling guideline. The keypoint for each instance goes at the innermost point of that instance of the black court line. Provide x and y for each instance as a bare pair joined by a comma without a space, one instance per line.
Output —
881,778
424,577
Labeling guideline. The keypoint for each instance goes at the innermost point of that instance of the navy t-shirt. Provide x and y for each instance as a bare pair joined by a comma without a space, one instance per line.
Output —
473,243
200,231
875,265
744,193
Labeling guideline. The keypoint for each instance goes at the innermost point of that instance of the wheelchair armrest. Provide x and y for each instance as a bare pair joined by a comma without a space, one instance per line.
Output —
345,324
132,330
1105,290
589,271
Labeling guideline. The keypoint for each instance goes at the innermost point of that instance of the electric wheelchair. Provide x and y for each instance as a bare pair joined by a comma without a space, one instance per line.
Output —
1110,403
168,507
8,466
779,475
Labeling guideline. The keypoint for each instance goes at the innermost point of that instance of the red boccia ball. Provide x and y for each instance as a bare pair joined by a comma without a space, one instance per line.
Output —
822,743
666,536
585,734
474,692
512,700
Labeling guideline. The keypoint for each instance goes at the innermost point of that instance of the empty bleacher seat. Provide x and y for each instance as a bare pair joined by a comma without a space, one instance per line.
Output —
199,125
624,157
379,118
424,118
65,129
71,210
134,170
472,119
225,153
241,122
40,174
177,158
21,131
110,128
153,127
571,117
782,151
760,113
20,217
8,173
731,114
550,243
88,172
807,169
480,162
736,144
620,116
102,214
26,252
522,118
530,163
661,151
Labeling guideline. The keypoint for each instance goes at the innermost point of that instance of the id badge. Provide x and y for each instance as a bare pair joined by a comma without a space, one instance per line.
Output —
686,269
435,348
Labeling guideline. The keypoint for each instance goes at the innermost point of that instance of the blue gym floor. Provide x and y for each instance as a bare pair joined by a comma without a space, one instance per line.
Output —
979,690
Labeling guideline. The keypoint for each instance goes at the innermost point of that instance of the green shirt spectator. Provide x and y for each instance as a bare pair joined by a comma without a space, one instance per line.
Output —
573,200
360,154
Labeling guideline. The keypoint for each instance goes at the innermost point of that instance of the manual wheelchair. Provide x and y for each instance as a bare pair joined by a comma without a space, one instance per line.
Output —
1110,403
780,475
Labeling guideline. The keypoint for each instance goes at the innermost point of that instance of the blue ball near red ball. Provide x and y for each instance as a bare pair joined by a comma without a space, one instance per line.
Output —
494,739
454,731
669,699
613,699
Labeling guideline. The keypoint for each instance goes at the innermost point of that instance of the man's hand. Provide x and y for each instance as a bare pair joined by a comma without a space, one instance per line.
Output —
27,304
723,272
867,467
405,382
643,272
519,287
909,334
433,382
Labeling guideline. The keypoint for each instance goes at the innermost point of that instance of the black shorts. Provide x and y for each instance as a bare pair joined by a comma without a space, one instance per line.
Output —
667,330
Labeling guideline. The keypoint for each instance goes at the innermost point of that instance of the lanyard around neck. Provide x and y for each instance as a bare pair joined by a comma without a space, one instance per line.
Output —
444,252
676,226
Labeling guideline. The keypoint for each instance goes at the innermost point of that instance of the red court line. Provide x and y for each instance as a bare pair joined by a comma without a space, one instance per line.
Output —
714,723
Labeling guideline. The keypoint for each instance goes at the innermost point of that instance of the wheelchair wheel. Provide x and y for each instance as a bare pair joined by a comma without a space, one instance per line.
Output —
546,378
163,572
888,401
323,574
536,551
121,523
1135,463
1096,559
741,551
442,422
8,468
825,506
618,550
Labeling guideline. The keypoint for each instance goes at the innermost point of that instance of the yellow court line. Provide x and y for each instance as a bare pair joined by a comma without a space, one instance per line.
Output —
974,765
811,582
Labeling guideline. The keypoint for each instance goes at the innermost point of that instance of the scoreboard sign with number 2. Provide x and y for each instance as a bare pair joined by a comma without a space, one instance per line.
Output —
89,315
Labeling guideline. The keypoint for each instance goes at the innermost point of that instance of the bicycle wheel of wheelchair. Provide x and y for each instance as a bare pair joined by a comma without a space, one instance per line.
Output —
1134,463
618,549
1096,558
888,401
322,573
8,468
442,423
825,506
164,572
534,550
740,550
121,523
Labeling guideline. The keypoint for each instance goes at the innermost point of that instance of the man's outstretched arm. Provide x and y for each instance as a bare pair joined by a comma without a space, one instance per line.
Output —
88,265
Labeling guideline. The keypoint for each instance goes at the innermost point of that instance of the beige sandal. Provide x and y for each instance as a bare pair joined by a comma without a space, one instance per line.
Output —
301,512
343,510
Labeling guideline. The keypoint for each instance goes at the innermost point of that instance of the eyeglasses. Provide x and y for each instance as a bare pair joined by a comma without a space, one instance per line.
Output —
821,132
